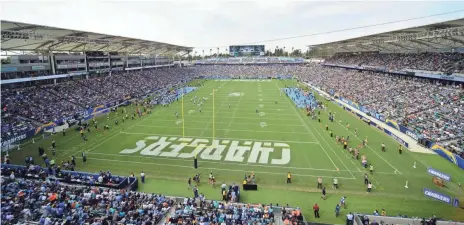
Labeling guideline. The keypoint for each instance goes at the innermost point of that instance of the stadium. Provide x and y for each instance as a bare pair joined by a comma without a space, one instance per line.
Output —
102,129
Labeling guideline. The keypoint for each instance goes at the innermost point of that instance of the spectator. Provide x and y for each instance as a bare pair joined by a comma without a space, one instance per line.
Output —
316,211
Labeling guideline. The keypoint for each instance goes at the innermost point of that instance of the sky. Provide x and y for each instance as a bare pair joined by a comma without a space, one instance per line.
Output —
216,24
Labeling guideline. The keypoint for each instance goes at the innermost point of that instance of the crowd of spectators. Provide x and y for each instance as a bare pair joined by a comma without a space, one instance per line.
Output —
26,108
432,109
429,61
32,193
215,212
55,203
244,71
61,173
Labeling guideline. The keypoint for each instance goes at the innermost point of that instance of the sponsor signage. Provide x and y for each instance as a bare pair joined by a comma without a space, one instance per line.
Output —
14,139
412,135
9,69
438,174
398,139
38,67
437,196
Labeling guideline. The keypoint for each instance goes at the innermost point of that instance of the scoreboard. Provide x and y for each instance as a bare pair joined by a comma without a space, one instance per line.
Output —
246,50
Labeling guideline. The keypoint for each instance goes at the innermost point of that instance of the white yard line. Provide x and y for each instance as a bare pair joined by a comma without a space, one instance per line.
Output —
202,129
230,138
310,131
251,113
212,117
370,148
351,160
213,168
202,122
237,117
223,162
226,132
112,136
216,162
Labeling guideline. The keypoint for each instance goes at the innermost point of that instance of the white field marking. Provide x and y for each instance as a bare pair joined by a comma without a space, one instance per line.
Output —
306,125
371,149
115,133
233,117
202,129
211,117
214,162
62,141
280,114
319,133
82,145
202,122
250,100
253,118
212,168
348,156
229,138
208,108
223,162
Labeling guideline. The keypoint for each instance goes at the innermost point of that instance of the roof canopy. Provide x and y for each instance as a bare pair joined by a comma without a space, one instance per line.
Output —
439,36
29,37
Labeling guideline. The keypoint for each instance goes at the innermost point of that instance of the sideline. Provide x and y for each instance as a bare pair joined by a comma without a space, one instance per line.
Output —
413,146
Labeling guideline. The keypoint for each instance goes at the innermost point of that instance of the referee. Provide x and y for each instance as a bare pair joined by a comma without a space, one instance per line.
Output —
289,178
84,158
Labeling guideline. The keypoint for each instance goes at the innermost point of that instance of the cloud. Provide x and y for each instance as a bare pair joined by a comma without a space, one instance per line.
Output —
210,24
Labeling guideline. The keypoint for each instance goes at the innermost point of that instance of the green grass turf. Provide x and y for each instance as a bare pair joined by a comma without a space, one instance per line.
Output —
313,154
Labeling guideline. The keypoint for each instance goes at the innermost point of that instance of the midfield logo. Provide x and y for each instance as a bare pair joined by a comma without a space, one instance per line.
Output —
227,150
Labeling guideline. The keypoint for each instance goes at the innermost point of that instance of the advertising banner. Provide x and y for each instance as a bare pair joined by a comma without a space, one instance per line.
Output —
398,139
437,196
16,139
438,174
409,132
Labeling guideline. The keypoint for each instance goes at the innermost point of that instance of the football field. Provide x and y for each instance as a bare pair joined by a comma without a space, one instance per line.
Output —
252,126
